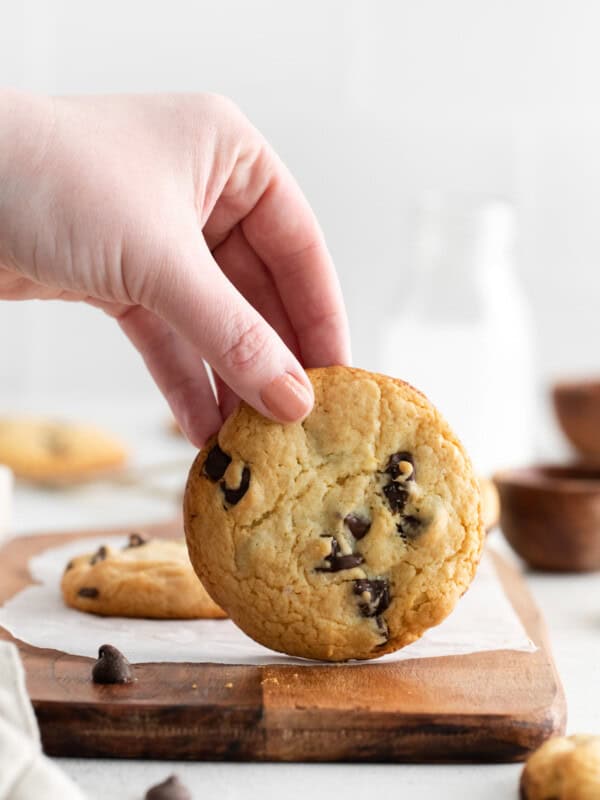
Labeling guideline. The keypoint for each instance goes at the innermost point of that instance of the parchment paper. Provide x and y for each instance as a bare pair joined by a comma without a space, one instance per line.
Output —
484,619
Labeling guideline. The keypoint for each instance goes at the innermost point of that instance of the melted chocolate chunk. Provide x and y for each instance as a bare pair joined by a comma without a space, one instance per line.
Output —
358,526
233,496
171,789
393,470
375,596
336,561
216,463
136,540
396,495
99,555
111,667
88,591
410,527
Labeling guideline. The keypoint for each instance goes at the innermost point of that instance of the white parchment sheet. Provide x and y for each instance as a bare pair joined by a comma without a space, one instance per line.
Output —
484,619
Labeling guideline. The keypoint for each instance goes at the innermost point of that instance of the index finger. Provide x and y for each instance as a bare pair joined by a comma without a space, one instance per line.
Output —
284,233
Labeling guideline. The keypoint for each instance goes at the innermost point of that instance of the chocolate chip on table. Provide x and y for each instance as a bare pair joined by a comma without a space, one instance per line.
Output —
233,496
410,527
375,595
88,591
396,495
171,789
394,470
111,667
136,540
216,463
336,561
357,525
99,555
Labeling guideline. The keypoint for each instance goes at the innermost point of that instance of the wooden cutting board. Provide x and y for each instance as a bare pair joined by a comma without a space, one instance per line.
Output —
492,706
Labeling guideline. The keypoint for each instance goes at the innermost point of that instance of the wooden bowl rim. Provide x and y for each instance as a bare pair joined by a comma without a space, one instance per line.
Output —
539,477
587,385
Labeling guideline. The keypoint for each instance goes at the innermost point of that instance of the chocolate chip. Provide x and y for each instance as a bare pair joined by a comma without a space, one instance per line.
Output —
55,442
336,561
136,540
88,591
171,789
99,555
396,495
111,667
410,527
358,526
69,566
216,463
393,468
233,496
375,596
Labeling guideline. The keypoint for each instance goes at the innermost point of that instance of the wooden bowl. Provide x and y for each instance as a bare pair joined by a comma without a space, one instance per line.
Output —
550,514
577,406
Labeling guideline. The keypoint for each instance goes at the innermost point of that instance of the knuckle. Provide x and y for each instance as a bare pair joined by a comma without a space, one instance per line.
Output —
249,343
223,106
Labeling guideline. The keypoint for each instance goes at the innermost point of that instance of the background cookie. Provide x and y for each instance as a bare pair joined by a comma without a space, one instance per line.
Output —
147,578
345,536
490,503
563,768
43,450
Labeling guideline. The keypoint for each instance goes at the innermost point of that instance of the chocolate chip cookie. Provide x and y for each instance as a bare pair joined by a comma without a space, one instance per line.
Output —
150,578
344,536
563,768
42,450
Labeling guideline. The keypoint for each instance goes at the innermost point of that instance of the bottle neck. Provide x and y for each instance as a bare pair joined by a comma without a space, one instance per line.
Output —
462,257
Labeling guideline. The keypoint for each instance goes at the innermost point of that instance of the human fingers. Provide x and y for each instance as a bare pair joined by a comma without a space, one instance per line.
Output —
283,231
191,293
178,370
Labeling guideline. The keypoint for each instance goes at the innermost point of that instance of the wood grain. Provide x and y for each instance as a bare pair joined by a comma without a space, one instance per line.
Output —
494,706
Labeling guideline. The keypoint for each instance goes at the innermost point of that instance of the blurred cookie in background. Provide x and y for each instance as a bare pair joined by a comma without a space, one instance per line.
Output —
47,451
151,578
563,768
490,503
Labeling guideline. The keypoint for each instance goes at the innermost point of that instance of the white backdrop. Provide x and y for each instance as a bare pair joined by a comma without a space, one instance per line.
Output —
369,103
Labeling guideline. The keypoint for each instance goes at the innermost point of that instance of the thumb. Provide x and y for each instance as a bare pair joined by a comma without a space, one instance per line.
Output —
198,301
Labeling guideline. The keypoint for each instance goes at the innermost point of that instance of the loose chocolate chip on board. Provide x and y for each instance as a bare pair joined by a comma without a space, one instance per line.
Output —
357,525
216,463
88,591
336,561
136,540
374,594
393,466
396,495
99,555
410,527
171,789
111,667
233,496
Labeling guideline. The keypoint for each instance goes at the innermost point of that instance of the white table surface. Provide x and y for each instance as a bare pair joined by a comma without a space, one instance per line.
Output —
570,604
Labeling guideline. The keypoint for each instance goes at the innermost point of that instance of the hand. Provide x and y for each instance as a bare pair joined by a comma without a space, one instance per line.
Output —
173,215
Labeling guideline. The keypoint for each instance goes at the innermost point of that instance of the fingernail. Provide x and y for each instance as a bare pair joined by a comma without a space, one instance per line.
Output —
286,398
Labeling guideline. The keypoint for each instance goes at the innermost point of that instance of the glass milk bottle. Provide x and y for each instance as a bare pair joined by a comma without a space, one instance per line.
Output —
463,333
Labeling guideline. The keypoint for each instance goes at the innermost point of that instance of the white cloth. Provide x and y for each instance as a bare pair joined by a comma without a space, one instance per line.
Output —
25,773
